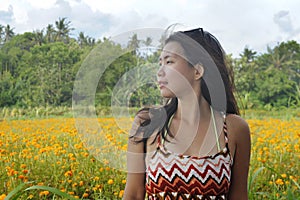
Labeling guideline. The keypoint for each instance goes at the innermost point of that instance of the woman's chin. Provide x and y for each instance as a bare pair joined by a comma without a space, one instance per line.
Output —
166,94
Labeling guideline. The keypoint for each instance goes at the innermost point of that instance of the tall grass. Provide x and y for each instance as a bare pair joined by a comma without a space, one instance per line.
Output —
57,112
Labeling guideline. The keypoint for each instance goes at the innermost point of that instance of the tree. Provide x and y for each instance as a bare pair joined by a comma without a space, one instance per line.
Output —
1,33
274,88
7,91
248,54
285,57
245,71
114,71
134,43
82,40
85,40
8,33
148,41
147,52
39,37
50,33
91,41
38,68
290,59
63,29
13,50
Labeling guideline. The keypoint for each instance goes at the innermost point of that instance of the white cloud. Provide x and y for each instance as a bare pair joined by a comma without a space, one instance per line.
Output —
82,17
93,23
235,23
37,4
283,20
110,6
7,16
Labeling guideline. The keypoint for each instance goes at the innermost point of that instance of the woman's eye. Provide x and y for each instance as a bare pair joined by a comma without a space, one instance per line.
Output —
165,62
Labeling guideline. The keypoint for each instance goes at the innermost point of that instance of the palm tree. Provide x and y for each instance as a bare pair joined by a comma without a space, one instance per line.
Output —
248,54
82,39
63,30
147,43
8,33
284,58
277,59
1,32
91,41
134,43
50,33
85,40
39,36
281,58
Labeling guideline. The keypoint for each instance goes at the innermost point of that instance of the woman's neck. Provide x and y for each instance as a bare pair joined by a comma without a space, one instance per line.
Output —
192,110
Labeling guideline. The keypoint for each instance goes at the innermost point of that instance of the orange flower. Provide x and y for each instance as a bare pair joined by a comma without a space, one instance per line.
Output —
85,195
279,181
283,175
21,176
2,196
110,181
68,173
23,166
81,183
44,193
121,193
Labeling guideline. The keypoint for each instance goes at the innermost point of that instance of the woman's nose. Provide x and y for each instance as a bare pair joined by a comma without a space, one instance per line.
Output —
160,71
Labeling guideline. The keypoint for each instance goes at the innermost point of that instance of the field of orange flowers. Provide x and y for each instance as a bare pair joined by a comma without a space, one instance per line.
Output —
49,152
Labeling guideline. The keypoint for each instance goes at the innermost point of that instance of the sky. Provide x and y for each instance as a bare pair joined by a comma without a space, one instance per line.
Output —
237,24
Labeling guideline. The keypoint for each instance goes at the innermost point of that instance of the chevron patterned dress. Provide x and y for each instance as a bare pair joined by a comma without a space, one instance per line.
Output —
173,176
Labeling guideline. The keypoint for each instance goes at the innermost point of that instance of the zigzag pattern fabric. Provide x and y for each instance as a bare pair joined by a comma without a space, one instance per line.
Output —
172,176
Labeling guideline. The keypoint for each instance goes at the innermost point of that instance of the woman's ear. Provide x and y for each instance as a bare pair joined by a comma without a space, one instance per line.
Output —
199,71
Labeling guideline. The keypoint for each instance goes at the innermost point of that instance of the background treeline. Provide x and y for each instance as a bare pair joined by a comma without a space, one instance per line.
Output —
38,69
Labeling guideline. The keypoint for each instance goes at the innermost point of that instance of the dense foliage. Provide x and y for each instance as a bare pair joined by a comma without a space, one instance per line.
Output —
39,68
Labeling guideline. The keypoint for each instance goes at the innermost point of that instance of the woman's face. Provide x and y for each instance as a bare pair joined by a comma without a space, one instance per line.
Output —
175,76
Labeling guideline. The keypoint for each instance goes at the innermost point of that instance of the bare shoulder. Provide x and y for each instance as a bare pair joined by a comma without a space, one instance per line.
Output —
238,128
240,148
237,123
140,118
135,148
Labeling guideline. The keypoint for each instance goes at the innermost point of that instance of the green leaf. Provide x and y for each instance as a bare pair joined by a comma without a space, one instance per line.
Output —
254,175
290,195
18,189
51,189
298,186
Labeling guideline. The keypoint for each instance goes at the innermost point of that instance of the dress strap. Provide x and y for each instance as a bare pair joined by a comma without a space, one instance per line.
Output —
225,132
159,140
215,128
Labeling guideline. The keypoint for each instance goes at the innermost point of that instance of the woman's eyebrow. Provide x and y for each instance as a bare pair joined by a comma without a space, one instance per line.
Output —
164,57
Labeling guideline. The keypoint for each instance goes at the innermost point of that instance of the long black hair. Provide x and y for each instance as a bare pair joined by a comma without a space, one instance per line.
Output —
199,47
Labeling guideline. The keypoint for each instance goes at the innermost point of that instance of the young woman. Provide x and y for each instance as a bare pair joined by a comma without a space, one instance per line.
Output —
196,146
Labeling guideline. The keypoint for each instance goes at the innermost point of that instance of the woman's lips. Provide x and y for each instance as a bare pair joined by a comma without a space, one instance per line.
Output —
162,84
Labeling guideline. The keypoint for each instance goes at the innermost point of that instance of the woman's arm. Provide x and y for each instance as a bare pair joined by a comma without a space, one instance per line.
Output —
135,183
240,143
